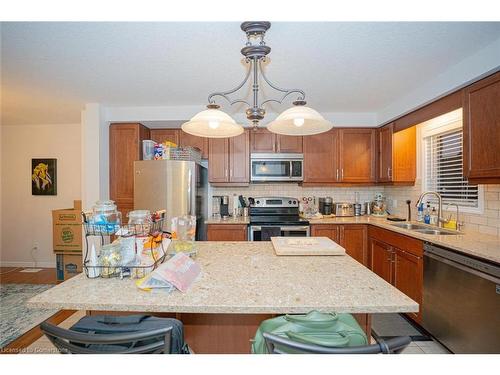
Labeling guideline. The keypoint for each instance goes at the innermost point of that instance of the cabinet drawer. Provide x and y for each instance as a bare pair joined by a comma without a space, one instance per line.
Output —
409,244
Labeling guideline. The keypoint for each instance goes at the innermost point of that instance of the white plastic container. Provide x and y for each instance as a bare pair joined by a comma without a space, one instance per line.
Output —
148,149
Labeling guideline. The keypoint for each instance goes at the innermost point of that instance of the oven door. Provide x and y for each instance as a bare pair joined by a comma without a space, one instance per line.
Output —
256,233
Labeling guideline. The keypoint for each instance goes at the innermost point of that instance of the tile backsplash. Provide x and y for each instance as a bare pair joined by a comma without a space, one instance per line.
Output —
487,223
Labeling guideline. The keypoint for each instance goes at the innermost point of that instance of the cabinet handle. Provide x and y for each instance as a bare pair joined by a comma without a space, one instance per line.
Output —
342,174
389,172
337,174
230,173
225,173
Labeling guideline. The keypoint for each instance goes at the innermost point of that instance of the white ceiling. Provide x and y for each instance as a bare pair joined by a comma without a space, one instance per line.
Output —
49,70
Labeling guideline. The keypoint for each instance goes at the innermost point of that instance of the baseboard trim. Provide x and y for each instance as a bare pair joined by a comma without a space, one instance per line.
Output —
28,264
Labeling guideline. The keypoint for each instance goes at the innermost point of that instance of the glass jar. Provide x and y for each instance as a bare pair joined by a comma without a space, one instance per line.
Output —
106,217
379,206
139,222
110,260
184,233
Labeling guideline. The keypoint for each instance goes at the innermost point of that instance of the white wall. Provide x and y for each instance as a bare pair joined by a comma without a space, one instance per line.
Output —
27,219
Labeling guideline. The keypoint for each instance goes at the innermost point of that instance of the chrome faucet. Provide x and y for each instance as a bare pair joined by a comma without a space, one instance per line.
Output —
440,205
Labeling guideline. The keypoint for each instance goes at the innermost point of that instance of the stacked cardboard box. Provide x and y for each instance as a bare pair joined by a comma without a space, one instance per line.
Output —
67,240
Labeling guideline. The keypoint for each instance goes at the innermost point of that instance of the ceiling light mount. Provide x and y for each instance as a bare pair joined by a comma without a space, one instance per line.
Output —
255,52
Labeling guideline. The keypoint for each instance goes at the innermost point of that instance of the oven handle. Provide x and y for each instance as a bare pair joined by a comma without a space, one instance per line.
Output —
292,228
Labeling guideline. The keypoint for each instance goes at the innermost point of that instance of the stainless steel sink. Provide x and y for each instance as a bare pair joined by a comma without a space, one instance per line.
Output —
410,226
424,229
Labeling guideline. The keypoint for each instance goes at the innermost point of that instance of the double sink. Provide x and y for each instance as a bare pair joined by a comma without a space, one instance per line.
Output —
425,229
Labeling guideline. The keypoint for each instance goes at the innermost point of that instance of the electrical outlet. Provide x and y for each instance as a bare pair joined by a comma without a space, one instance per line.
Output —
394,203
36,245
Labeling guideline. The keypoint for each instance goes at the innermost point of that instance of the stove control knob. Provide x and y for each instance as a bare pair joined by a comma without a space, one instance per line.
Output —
289,202
294,202
258,202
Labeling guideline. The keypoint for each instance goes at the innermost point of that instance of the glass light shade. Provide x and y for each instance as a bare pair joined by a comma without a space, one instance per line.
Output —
212,123
299,120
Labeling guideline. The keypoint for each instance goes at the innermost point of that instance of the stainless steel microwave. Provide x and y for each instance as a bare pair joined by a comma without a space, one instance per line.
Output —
276,167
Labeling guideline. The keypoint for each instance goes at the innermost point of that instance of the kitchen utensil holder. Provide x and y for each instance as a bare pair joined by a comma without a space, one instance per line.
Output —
153,228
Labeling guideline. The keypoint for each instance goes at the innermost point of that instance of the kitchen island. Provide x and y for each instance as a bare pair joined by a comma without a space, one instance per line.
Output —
242,283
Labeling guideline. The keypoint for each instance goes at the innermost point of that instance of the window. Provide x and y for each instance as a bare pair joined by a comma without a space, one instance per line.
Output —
443,168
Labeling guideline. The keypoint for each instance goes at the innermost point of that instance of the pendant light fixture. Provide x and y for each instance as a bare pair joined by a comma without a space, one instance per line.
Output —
296,121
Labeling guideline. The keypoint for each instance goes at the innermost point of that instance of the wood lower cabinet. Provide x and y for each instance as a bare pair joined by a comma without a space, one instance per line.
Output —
125,147
352,237
397,155
162,135
201,143
264,141
398,259
481,124
227,232
228,160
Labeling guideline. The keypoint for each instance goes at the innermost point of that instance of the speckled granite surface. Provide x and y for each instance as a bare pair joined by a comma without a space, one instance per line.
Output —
477,244
243,277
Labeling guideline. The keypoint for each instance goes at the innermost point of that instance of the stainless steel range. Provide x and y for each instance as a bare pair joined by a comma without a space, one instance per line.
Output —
276,217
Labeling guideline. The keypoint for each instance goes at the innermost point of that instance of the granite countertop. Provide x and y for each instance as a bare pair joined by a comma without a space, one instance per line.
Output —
244,278
477,244
245,220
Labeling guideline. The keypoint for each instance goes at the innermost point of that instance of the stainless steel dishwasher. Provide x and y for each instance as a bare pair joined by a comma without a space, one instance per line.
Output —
461,305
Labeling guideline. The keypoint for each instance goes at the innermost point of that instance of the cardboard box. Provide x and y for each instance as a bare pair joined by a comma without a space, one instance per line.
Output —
67,229
68,265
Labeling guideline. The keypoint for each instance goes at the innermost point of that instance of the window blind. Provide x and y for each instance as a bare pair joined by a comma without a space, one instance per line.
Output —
444,169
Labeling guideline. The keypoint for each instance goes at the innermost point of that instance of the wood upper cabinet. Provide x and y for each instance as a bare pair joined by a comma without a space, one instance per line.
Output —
385,153
354,239
218,160
381,259
227,232
289,144
162,135
186,139
125,147
321,157
239,158
408,277
397,155
357,155
481,124
228,160
264,141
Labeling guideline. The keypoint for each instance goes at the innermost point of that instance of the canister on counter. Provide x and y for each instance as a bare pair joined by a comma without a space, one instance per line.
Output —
357,209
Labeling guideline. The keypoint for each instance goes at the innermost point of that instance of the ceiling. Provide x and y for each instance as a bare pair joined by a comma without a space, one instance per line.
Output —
50,70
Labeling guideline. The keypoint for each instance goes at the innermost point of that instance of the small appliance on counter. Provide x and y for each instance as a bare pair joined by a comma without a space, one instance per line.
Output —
224,206
343,209
326,205
378,206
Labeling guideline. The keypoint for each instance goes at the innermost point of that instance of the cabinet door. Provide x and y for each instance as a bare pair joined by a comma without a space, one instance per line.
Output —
408,277
226,232
125,147
218,160
326,230
262,140
385,153
357,155
289,144
186,139
354,239
320,157
404,154
482,130
381,259
162,135
239,158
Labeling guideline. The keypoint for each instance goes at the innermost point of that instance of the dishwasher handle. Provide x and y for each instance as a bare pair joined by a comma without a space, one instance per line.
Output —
452,263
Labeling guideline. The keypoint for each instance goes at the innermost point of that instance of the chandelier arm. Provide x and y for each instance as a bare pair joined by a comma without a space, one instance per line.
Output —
286,91
280,101
225,94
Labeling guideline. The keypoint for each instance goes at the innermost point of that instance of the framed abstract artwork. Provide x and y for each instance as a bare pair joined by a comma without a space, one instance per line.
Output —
43,176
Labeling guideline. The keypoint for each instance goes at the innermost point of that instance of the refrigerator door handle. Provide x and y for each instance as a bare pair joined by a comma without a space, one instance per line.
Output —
190,192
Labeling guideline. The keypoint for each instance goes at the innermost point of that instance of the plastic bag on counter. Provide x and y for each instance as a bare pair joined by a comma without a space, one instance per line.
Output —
180,271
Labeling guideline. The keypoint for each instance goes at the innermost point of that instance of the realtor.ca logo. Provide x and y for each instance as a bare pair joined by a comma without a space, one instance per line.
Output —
67,235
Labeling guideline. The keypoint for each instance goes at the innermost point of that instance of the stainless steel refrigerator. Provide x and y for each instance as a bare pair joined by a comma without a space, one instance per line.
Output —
179,187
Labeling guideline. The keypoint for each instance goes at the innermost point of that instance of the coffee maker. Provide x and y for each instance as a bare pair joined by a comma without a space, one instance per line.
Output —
325,205
224,206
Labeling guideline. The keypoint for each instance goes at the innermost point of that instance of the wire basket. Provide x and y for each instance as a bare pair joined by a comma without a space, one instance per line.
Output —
183,153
